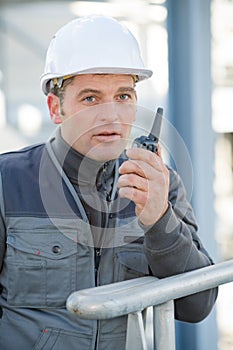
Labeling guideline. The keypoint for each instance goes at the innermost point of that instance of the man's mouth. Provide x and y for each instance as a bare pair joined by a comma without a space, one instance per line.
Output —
107,136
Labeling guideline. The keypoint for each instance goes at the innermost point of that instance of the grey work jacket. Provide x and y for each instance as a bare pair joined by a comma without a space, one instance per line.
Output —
47,251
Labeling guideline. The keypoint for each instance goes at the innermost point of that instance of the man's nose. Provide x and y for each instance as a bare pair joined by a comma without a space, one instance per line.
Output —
109,111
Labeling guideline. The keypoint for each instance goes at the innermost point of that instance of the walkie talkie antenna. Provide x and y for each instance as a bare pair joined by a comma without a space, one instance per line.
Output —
151,141
156,127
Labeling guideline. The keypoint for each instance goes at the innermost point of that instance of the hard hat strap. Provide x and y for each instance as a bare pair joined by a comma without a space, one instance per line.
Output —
135,78
59,81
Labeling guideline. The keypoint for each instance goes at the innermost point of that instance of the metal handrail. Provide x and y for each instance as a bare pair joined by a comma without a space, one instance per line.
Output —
135,297
130,296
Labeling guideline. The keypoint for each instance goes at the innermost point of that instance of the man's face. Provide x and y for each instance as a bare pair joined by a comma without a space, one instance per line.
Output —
97,113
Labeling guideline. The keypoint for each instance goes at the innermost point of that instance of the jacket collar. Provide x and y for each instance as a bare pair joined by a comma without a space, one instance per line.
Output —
82,170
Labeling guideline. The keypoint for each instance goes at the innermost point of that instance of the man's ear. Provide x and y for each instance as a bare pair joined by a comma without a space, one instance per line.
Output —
53,103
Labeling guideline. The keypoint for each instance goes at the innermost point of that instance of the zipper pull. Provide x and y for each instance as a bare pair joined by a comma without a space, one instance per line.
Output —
97,262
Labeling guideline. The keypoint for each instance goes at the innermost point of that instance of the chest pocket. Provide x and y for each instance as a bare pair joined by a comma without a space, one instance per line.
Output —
41,268
131,262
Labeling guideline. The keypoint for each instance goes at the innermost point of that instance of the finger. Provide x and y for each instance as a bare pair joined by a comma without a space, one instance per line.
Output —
159,152
132,180
143,154
141,168
153,159
134,167
133,194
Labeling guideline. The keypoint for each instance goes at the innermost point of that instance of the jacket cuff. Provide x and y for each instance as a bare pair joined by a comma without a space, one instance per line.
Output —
164,232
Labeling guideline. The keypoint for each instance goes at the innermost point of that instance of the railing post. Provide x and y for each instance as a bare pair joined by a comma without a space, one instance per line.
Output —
164,327
135,339
148,320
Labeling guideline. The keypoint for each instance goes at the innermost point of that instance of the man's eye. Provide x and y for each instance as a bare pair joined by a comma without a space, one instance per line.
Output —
124,97
89,99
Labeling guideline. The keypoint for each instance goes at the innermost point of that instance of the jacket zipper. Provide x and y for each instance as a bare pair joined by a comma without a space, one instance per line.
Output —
98,251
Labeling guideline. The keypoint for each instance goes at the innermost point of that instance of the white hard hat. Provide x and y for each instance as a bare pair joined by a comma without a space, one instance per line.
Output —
93,45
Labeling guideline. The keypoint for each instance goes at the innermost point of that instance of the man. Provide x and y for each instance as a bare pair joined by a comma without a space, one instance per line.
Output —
80,211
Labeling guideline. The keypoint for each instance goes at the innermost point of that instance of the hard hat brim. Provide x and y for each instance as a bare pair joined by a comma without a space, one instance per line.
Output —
141,73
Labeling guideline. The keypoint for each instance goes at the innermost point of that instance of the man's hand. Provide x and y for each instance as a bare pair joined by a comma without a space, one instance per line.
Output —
145,180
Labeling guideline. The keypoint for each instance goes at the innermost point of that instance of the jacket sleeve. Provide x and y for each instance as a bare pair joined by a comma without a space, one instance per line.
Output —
172,246
2,227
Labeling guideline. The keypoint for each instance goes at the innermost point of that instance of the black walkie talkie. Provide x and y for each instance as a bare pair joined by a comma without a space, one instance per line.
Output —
151,141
